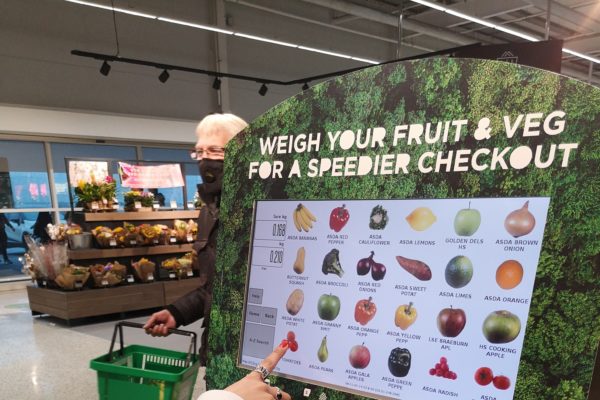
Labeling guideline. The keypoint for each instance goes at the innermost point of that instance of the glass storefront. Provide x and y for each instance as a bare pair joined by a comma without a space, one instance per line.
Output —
26,193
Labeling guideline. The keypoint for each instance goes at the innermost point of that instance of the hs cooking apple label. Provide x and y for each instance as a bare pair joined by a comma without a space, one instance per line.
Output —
375,290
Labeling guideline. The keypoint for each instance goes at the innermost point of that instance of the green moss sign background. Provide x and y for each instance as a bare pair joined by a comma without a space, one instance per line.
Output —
563,329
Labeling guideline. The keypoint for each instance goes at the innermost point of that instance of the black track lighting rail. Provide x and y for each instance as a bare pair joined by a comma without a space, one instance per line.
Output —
105,58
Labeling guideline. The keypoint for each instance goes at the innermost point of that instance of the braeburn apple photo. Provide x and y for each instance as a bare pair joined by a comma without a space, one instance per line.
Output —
451,321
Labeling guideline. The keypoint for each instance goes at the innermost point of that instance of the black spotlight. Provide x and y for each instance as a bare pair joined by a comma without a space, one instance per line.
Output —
305,86
216,83
263,90
105,68
164,76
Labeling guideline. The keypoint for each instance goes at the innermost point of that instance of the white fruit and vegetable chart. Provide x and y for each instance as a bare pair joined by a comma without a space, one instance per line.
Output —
418,230
395,298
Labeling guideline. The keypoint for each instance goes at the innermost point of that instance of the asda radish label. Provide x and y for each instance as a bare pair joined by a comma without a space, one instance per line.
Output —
415,230
395,298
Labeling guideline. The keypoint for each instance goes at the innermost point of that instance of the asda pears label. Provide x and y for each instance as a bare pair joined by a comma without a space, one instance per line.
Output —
394,298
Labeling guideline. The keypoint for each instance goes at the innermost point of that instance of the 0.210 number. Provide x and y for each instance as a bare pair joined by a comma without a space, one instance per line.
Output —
276,256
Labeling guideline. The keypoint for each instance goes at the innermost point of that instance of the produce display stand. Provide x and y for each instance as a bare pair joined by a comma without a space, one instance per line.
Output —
69,305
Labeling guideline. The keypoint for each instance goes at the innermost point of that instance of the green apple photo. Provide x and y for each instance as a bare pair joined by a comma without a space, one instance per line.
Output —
467,221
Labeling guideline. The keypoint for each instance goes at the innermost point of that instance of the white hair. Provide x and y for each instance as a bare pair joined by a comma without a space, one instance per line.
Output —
227,125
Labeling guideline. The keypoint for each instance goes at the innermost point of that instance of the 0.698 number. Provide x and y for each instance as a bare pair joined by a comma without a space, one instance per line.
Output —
278,229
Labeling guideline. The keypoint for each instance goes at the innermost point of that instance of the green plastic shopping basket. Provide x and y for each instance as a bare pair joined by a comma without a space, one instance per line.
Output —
146,373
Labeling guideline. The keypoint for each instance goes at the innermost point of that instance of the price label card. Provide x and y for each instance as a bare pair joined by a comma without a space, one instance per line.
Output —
173,239
44,283
156,205
130,279
133,242
150,278
190,205
95,206
138,205
78,284
104,201
112,243
173,203
115,206
155,241
190,273
104,282
190,238
172,275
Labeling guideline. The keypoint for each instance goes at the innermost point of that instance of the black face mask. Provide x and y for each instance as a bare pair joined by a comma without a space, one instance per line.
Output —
211,172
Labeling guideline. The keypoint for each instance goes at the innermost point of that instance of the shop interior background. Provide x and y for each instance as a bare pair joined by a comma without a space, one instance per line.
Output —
55,105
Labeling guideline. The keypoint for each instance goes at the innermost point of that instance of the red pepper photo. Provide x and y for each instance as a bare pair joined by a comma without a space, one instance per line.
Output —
338,218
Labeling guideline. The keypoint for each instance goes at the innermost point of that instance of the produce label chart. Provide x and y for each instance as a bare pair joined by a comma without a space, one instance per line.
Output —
400,299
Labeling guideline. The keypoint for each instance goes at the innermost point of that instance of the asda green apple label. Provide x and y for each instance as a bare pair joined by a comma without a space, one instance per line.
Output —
385,314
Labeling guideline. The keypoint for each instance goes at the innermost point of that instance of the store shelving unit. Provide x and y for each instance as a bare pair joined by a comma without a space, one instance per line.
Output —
69,305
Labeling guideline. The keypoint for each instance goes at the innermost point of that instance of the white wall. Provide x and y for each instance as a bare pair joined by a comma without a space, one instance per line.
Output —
38,121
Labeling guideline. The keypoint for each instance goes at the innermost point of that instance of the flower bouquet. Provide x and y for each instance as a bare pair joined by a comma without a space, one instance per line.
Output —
73,277
105,237
136,200
47,261
144,269
185,232
107,275
96,196
179,268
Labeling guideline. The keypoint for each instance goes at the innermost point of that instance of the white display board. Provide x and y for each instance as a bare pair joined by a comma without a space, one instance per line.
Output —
470,309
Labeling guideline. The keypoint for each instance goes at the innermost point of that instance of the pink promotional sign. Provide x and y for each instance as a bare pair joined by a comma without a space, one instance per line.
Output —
150,176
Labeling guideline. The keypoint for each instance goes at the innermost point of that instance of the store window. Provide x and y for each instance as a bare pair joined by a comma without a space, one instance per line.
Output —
23,175
60,151
189,169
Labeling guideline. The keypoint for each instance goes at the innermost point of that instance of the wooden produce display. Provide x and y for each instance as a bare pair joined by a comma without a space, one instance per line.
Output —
130,296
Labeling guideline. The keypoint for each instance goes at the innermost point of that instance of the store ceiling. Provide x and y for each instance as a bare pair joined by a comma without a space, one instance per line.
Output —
36,37
423,28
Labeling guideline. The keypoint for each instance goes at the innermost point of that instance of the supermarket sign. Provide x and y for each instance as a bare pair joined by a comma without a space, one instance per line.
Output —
150,176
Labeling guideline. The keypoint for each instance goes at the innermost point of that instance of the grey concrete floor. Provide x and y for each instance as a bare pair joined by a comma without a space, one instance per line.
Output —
43,358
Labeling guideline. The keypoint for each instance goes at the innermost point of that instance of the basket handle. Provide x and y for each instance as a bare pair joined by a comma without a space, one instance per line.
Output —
119,327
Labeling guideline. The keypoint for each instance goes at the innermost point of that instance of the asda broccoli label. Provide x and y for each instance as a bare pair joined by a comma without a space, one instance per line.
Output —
422,230
394,318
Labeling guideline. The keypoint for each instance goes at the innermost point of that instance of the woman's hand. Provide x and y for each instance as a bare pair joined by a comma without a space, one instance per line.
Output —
253,387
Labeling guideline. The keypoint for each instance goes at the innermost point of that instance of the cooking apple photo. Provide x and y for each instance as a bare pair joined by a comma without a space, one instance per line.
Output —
359,356
467,221
501,327
328,307
451,321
